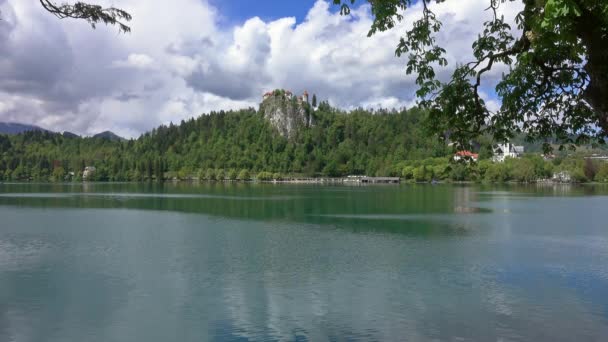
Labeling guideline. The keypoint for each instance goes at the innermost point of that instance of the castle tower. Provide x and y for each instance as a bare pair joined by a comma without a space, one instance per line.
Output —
305,96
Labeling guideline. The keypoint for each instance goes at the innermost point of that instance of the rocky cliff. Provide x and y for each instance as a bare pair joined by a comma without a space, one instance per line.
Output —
286,113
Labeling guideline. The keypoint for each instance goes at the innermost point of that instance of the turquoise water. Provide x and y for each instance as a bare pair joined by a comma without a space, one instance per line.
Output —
184,262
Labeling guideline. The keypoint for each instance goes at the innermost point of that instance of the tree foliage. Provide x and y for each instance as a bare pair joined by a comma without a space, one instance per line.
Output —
93,14
557,83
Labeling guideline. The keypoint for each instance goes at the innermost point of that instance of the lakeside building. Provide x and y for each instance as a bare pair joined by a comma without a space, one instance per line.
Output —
89,171
562,177
506,150
466,155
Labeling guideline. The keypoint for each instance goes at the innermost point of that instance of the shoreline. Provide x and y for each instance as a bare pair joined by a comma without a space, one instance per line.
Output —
312,181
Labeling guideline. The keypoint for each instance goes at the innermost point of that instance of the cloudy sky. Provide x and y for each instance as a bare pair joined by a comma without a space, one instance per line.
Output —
188,57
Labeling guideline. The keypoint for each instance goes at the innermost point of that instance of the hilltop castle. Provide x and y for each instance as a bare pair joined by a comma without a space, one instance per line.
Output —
286,112
287,94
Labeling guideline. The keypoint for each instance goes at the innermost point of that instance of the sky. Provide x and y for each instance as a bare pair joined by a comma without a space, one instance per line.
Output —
185,58
235,12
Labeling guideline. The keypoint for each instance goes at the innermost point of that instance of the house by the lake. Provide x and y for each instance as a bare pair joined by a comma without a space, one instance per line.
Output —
88,172
506,150
562,177
466,155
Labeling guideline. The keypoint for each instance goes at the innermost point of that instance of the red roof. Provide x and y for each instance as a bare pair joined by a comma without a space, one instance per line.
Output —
467,154
271,93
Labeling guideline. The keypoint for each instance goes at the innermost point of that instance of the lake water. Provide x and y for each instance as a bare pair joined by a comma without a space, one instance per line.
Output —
185,262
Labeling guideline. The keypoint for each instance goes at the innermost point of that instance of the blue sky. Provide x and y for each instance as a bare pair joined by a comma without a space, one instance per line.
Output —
237,11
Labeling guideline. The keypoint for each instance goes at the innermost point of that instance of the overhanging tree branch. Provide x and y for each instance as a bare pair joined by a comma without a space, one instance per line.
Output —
556,84
93,14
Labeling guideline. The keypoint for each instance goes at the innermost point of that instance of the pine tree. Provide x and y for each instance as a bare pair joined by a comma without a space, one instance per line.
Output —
149,170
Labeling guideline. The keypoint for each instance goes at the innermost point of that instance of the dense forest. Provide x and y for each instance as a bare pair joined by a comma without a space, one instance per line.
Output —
244,145
358,142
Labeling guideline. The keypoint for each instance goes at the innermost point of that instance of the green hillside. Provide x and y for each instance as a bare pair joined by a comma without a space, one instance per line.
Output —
339,143
268,144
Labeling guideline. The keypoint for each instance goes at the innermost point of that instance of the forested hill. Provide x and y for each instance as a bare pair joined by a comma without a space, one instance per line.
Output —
340,143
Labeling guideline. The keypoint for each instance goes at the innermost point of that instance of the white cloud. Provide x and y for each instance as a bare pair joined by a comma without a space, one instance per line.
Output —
5,106
492,104
178,63
138,61
387,102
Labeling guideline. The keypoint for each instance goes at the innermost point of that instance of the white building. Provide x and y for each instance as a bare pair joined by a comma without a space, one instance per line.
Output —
506,150
88,172
562,177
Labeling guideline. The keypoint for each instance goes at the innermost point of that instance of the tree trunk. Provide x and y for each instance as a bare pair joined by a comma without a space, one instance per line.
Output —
590,27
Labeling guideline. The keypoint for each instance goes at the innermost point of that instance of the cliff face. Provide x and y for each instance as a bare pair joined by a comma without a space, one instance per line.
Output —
286,113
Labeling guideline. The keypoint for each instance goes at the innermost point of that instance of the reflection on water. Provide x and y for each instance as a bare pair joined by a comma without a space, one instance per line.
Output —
124,262
128,195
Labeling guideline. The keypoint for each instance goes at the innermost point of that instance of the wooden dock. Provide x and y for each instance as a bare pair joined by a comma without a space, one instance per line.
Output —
345,180
372,180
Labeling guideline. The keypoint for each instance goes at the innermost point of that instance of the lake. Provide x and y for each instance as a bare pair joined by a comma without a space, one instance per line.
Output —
237,262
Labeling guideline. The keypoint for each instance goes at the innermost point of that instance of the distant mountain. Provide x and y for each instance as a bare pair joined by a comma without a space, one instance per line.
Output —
67,134
13,128
109,136
16,128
